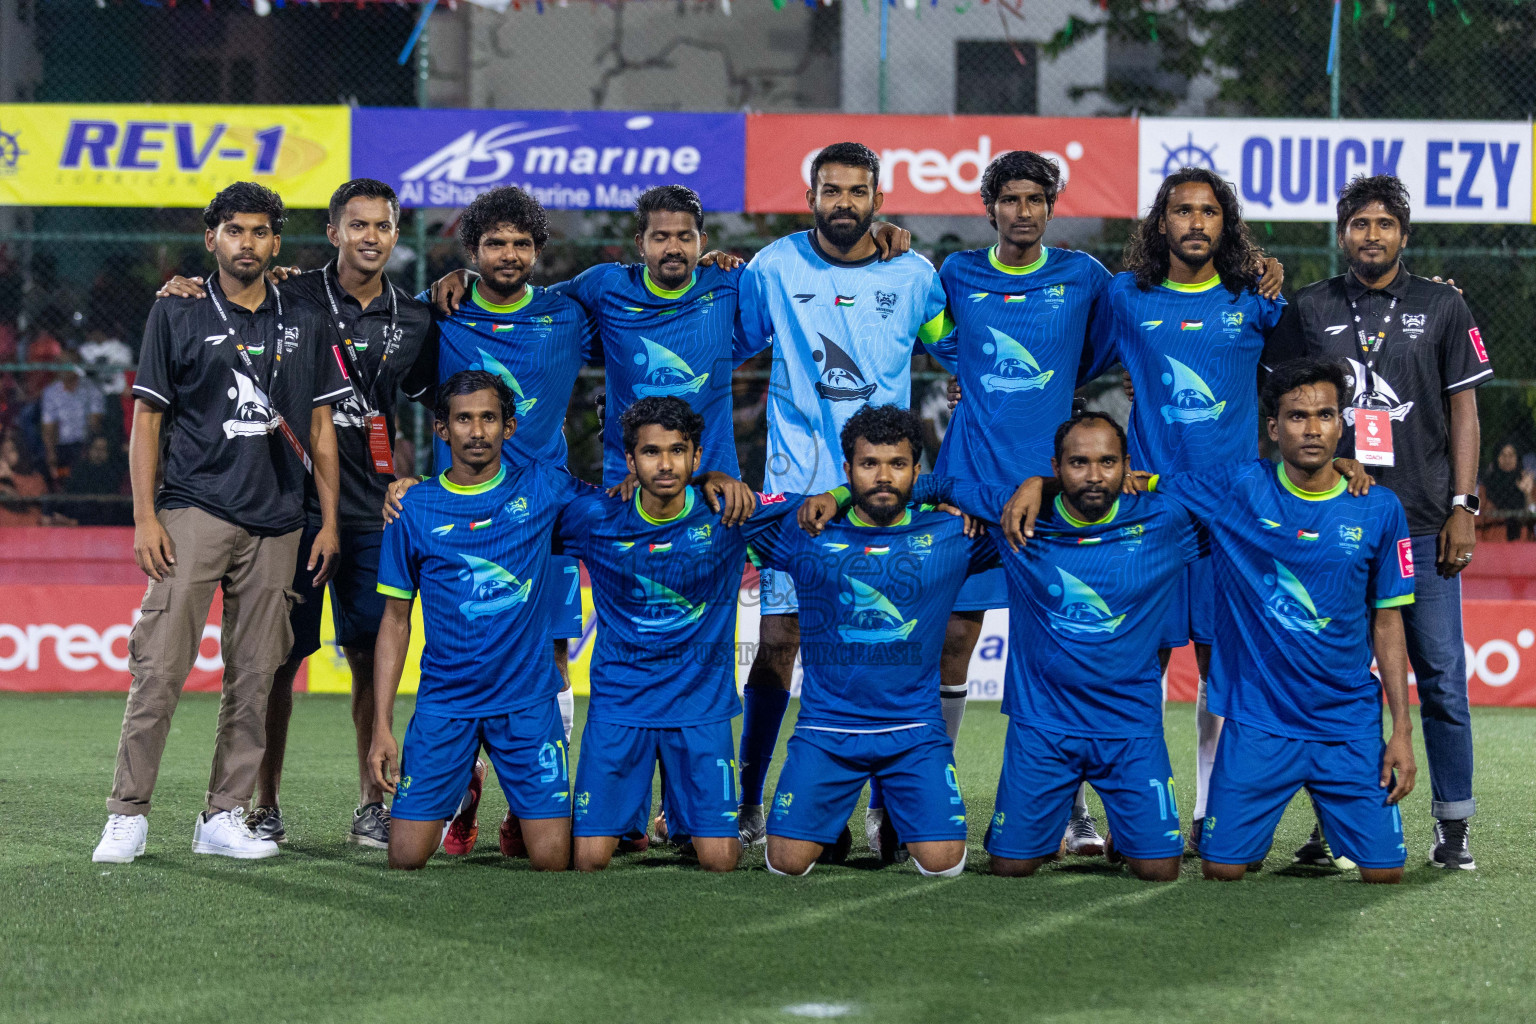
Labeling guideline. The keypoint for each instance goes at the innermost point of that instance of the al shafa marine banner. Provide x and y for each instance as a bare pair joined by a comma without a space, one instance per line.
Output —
64,154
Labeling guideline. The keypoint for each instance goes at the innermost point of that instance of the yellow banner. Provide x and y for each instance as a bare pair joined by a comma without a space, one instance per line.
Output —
328,671
126,154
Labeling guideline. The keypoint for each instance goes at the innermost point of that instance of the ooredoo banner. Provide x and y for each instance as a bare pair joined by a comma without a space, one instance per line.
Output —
567,159
1456,171
933,164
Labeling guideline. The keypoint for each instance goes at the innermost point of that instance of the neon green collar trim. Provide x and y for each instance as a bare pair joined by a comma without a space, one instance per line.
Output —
1109,517
1332,492
998,264
687,507
1198,286
481,488
491,307
853,519
662,293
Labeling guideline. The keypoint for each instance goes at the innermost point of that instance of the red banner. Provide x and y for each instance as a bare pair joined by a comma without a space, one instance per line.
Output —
933,164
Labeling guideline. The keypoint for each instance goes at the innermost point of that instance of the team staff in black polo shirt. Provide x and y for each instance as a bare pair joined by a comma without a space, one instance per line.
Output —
1414,359
239,381
381,330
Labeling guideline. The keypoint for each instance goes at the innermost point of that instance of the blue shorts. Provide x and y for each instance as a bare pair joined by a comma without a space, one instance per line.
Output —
563,597
357,607
983,591
1043,770
526,747
1191,613
1256,774
777,592
824,772
698,773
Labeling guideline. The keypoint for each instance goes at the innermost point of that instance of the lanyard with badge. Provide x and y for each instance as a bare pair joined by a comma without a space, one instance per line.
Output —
275,420
1373,425
380,449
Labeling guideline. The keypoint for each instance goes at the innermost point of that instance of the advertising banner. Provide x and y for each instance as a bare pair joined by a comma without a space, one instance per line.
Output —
1456,171
568,160
933,164
124,154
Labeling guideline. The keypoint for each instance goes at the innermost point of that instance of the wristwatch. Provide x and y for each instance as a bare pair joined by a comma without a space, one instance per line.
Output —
1468,502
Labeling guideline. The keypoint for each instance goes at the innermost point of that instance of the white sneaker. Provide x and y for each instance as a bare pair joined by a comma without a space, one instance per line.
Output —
122,839
226,835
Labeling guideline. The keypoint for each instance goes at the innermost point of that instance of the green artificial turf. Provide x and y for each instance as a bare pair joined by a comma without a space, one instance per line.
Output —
324,933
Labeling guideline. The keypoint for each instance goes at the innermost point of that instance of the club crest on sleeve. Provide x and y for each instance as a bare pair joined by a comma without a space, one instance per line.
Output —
1405,558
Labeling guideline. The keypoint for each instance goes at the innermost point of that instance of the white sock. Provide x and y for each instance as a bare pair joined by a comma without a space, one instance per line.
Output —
952,705
775,871
1080,802
953,872
1209,728
567,701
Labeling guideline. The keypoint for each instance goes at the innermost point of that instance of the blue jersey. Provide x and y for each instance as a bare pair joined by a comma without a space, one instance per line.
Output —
843,335
666,594
1193,355
477,557
874,607
1085,609
1024,339
536,345
660,342
1297,575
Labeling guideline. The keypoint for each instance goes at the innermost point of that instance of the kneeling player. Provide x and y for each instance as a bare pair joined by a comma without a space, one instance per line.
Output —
1308,580
875,592
1084,697
665,575
475,543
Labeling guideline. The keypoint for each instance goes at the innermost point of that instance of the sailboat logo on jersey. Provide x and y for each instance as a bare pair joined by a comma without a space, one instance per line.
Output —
1082,609
491,364
1381,395
1290,604
1192,400
664,608
841,379
494,590
1013,368
253,413
873,619
665,373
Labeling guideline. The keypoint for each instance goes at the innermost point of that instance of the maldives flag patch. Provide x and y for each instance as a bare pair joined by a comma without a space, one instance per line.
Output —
501,328
1306,535
842,300
1405,558
1476,334
482,524
1191,325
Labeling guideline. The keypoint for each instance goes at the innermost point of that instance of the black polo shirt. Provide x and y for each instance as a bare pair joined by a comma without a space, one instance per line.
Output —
218,454
1425,348
401,331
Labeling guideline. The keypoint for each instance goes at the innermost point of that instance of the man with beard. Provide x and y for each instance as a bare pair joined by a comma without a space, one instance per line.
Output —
1416,359
1190,325
239,375
843,326
875,590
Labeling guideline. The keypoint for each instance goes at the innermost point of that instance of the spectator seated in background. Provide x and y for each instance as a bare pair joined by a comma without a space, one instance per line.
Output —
99,470
72,412
19,479
1506,493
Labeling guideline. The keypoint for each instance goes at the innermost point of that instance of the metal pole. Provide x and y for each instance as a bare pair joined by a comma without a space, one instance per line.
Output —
885,17
419,217
1333,112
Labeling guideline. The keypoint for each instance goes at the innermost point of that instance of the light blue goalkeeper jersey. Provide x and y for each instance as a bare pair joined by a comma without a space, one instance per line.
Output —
843,335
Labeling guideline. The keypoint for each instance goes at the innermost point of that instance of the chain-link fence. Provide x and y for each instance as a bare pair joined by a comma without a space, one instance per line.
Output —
76,283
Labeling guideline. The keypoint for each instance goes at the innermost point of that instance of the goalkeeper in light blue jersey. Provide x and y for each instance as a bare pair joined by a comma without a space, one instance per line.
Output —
843,326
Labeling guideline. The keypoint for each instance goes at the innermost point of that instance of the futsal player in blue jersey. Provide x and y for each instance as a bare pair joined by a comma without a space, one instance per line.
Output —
843,326
666,572
1190,324
1309,581
1084,694
875,590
